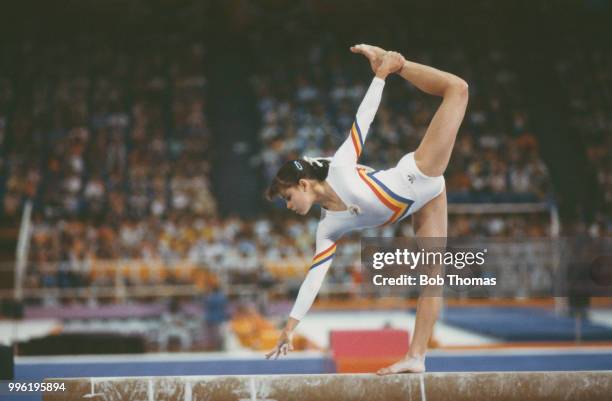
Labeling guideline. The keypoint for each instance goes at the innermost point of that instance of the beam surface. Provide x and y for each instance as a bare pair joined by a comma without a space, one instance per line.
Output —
489,386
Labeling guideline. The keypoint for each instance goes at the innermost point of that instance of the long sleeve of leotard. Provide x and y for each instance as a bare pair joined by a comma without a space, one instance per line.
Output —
351,148
325,250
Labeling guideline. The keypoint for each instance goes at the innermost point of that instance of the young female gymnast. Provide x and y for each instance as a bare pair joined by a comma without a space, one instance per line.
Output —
353,197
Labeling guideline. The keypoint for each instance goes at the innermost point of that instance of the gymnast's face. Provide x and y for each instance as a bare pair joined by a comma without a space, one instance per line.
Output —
299,198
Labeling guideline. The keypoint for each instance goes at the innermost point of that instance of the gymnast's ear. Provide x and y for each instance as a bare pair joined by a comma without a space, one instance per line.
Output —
303,184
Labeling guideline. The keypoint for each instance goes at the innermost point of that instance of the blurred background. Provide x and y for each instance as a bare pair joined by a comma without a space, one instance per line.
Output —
137,139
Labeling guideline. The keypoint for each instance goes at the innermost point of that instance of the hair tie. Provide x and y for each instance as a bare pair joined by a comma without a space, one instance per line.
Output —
312,161
298,165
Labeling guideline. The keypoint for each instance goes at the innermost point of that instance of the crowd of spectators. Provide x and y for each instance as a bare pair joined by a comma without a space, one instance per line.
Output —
113,148
114,152
278,246
104,139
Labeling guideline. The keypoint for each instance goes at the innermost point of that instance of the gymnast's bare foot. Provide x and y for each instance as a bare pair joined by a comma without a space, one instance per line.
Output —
406,365
374,54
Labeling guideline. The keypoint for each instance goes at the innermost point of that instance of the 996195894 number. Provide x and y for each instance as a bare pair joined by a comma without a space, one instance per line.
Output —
35,387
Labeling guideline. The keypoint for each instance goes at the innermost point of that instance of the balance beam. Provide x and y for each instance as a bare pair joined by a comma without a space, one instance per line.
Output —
498,386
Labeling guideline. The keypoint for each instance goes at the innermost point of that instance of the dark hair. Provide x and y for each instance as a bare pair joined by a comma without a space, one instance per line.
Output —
293,171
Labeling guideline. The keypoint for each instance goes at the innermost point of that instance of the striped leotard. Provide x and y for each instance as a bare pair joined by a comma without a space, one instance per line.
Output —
373,198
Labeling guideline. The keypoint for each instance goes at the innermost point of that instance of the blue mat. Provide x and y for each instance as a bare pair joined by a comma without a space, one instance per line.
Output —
520,363
31,371
522,324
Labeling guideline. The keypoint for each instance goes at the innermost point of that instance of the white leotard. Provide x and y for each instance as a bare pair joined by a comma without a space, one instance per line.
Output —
373,198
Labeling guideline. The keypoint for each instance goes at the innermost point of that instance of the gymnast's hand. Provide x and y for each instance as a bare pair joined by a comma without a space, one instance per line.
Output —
284,345
374,54
391,62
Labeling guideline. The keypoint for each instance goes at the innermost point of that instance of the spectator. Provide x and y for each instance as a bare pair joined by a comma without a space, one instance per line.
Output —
215,315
